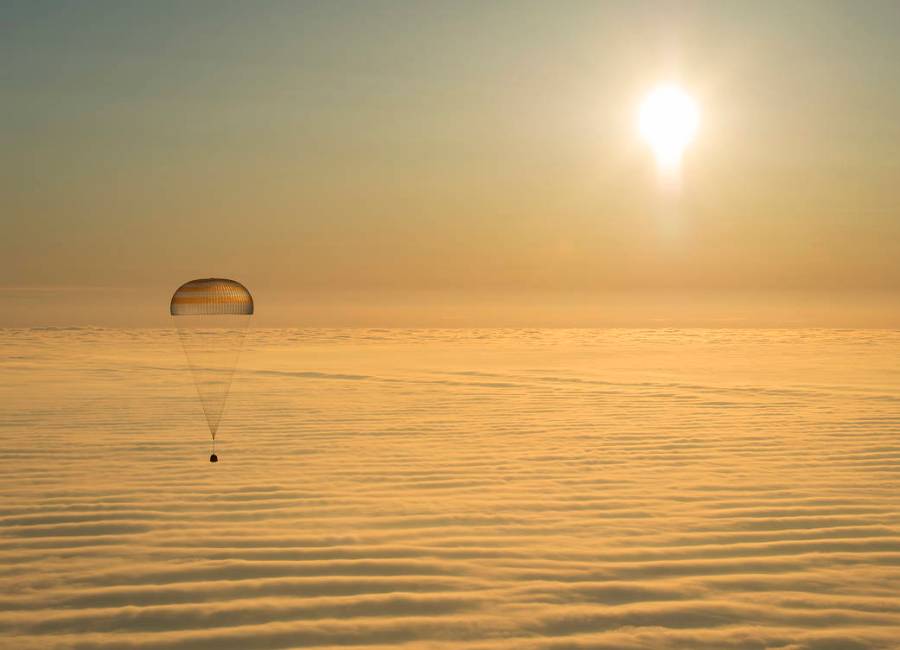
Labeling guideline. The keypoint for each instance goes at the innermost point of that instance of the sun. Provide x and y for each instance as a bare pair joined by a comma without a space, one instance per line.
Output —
668,120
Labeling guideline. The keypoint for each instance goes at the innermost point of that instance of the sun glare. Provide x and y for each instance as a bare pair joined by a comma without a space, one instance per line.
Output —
668,120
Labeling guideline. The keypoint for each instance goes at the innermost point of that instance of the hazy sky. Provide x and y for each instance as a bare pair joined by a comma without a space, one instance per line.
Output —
378,148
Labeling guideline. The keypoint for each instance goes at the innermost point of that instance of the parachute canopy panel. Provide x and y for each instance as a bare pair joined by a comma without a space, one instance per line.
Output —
211,296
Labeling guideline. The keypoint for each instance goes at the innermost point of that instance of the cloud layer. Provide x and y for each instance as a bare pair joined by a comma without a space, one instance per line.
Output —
481,489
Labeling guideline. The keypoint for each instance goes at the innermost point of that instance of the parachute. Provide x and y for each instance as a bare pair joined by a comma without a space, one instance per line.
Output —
212,316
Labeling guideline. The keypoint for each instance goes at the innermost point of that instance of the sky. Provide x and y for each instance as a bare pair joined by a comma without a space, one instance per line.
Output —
449,163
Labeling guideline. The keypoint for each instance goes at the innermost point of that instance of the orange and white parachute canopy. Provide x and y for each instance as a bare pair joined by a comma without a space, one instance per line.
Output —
211,296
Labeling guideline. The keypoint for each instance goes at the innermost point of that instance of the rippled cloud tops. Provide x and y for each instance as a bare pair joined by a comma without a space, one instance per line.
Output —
515,489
